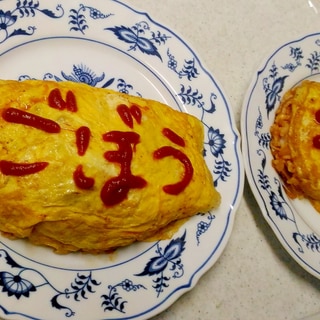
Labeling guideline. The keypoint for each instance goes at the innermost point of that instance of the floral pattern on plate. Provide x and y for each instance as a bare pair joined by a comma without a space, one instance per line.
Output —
107,44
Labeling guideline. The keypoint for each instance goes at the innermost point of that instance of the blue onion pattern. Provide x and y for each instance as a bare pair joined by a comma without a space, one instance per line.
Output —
314,62
264,138
112,301
167,261
23,9
78,20
216,141
19,284
124,87
312,241
141,37
278,205
190,96
273,86
189,69
297,55
7,19
204,225
278,202
16,285
83,74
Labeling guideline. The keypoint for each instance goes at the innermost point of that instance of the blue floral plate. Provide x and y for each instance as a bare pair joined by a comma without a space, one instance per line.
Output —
295,223
107,44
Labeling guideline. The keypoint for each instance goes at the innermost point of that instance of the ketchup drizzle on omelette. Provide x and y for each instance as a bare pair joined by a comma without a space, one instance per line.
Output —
14,115
56,101
115,189
173,137
128,114
21,169
178,187
316,139
82,140
81,180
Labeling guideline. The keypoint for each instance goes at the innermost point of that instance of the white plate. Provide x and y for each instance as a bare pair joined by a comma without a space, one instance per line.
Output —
108,44
295,223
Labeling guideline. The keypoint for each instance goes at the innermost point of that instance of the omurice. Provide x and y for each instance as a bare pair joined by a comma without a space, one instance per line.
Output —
295,141
90,169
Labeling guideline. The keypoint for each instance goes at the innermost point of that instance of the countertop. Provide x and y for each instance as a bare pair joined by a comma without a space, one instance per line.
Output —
255,278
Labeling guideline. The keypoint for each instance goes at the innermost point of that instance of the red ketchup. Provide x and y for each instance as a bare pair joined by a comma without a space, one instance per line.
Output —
128,114
116,189
178,187
14,115
81,180
136,113
82,139
316,139
56,101
21,169
173,137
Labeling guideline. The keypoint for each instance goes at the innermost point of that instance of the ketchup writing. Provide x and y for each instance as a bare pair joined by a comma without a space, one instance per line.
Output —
21,169
82,139
128,114
56,101
178,187
173,137
316,139
116,189
168,151
14,115
82,181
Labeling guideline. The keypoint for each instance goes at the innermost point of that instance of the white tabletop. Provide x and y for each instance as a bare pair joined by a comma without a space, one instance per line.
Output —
255,278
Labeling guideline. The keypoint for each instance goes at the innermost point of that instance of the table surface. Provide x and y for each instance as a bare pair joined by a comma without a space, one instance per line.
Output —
255,278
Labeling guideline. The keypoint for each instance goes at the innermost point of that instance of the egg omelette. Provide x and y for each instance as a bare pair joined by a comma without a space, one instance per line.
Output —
90,169
295,142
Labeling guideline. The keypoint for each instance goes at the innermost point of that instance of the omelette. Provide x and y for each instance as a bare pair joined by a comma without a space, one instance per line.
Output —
89,169
295,142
